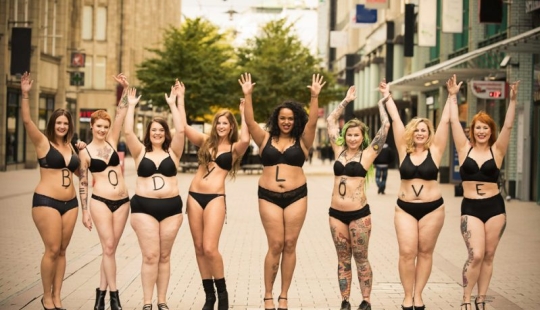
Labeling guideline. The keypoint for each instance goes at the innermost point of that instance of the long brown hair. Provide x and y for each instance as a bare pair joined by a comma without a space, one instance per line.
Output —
209,148
50,133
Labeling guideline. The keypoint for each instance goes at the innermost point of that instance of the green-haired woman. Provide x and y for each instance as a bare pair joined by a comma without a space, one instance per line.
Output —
350,217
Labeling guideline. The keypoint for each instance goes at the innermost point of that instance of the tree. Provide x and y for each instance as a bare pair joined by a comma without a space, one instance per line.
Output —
282,68
202,58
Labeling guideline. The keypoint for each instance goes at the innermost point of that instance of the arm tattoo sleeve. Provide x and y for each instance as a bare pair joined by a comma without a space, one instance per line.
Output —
381,135
83,187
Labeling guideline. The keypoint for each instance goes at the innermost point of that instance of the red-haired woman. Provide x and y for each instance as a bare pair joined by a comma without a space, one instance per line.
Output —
109,204
483,214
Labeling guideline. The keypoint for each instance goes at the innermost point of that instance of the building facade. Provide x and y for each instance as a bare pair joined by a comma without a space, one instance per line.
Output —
487,49
76,46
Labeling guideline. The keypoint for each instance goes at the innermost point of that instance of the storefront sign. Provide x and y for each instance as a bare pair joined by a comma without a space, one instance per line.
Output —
489,89
85,114
377,4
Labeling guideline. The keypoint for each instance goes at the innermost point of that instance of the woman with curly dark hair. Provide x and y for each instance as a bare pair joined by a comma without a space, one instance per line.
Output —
219,155
156,207
283,147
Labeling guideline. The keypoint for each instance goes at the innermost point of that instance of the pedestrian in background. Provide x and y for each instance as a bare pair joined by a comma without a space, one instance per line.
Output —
54,205
419,215
109,203
483,213
156,207
219,155
382,162
283,146
350,216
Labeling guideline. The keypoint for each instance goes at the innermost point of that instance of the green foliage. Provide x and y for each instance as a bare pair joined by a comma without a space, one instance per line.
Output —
282,68
199,56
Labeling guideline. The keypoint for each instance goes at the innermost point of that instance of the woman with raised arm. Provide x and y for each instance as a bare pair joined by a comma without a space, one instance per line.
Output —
156,207
419,215
54,205
350,216
219,155
282,193
483,214
109,204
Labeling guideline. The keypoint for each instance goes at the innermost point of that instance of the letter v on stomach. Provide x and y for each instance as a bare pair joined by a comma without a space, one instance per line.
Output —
419,191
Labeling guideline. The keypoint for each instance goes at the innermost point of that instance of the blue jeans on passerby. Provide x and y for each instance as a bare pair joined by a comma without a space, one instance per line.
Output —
381,173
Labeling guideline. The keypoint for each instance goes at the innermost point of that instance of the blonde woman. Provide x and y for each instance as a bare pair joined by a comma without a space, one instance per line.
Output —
419,215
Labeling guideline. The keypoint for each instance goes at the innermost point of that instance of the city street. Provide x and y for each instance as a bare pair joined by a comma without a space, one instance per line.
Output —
514,285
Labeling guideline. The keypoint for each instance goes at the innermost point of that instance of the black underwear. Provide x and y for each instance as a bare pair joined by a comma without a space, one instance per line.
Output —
284,199
159,208
419,209
204,199
483,209
61,206
346,217
113,205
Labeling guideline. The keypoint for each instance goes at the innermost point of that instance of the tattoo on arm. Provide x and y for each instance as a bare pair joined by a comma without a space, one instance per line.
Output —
83,187
381,135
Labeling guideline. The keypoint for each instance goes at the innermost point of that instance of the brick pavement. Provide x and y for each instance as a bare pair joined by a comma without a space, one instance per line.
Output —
243,245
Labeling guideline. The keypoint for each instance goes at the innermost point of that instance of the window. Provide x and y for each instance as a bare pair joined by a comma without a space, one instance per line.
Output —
15,133
101,23
46,107
95,72
87,22
493,30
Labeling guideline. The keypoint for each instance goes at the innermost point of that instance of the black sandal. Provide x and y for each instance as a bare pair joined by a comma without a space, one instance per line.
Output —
147,307
269,298
466,304
284,298
483,303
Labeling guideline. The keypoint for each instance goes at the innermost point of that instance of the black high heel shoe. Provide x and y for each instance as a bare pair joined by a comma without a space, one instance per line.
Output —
44,305
483,303
147,307
284,298
269,298
466,304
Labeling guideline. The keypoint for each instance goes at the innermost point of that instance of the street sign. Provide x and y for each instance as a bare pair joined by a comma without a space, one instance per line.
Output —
489,89
76,78
78,60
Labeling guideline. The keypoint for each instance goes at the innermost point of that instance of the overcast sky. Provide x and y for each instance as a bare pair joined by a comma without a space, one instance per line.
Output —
246,22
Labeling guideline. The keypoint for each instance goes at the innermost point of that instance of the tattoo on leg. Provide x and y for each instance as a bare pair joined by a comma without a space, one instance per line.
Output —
466,236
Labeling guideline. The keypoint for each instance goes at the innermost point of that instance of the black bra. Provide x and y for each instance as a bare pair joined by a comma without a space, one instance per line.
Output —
292,156
55,160
427,170
148,168
224,160
488,172
98,165
351,169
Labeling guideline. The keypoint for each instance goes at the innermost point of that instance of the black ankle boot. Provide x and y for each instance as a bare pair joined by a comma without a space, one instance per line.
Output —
223,300
115,301
100,300
208,285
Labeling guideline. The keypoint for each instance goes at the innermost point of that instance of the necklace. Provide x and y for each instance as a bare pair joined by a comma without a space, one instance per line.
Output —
351,158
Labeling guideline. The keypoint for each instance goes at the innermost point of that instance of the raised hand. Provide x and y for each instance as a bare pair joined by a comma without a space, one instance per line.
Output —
452,86
514,90
384,89
351,94
26,83
122,80
245,82
179,88
171,99
132,98
316,84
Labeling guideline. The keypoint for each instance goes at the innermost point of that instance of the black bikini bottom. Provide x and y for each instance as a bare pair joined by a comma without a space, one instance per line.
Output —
61,206
204,199
113,205
159,208
483,209
419,209
284,199
346,217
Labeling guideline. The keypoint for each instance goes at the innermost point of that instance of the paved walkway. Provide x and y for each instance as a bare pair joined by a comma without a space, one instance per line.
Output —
243,244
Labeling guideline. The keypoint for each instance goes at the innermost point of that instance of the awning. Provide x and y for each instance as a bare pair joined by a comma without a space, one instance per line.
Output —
526,42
